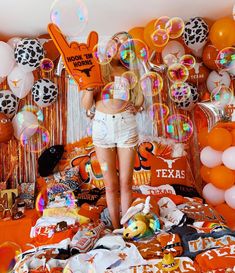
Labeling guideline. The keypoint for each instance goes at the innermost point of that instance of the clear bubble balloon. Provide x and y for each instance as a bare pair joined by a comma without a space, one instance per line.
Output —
163,23
188,61
115,95
158,112
71,16
37,142
160,37
176,26
226,58
151,84
170,59
177,73
221,96
131,78
9,253
46,65
35,110
180,92
179,128
105,51
132,51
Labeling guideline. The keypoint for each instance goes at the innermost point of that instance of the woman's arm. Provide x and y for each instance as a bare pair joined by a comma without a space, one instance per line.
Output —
87,98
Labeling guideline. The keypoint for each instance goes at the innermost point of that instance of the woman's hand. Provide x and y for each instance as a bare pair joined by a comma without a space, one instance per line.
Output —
130,107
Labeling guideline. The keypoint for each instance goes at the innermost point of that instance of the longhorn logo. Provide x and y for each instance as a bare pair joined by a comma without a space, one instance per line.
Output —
169,161
86,70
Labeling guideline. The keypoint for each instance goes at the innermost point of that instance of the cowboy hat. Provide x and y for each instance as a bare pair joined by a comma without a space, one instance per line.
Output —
168,263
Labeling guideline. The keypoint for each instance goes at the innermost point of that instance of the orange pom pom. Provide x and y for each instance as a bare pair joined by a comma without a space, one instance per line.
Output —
222,177
220,139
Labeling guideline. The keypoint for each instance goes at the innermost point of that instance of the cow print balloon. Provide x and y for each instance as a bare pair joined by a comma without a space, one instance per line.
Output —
190,102
28,54
44,92
8,103
196,33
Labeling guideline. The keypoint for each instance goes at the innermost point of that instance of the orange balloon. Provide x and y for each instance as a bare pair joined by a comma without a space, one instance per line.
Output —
203,137
220,139
148,31
233,136
222,33
8,253
205,173
228,214
222,177
209,56
198,74
137,33
6,128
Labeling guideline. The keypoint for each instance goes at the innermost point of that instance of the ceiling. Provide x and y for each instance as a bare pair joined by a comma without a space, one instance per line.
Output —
30,17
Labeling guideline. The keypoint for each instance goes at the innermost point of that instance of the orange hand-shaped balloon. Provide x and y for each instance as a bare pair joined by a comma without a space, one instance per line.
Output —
78,58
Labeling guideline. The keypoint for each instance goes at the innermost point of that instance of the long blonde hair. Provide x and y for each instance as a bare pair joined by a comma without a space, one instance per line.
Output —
136,95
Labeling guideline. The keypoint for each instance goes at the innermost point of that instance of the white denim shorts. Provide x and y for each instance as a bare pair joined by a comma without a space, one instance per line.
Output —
114,130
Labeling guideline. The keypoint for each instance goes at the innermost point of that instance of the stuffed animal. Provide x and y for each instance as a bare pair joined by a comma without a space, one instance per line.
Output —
139,222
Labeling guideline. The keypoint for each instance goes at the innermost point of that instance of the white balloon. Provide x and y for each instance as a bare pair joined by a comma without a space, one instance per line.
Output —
230,197
173,48
25,124
198,52
13,42
216,79
20,82
210,157
213,195
7,59
228,158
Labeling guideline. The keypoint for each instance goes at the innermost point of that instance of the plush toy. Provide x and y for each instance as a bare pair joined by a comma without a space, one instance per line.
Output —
139,222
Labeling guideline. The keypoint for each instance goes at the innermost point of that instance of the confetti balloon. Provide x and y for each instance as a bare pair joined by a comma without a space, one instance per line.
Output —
105,51
46,65
9,253
151,84
132,51
222,96
24,123
71,16
158,112
180,92
179,128
175,27
177,73
226,58
160,37
36,143
131,78
188,61
163,23
115,95
35,110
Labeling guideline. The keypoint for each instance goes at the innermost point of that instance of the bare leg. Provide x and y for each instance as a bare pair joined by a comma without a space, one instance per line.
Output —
126,159
107,159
